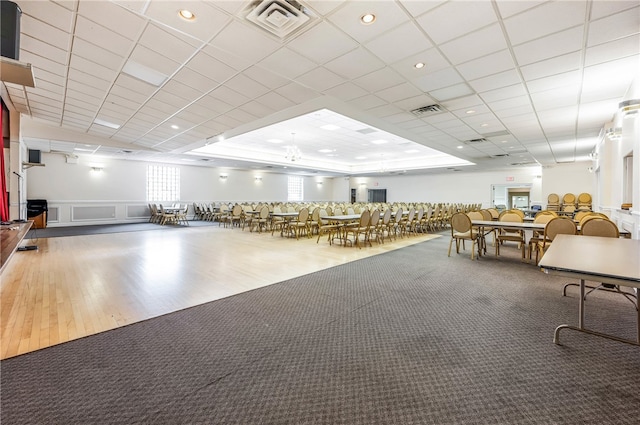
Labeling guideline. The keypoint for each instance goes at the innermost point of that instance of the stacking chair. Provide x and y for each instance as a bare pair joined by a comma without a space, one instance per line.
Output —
556,226
461,230
260,221
360,228
166,217
181,215
325,226
584,202
553,202
543,217
511,235
237,216
374,220
300,224
569,202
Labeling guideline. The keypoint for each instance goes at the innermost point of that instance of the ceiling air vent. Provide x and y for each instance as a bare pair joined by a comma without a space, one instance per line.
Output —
279,17
431,109
500,155
475,141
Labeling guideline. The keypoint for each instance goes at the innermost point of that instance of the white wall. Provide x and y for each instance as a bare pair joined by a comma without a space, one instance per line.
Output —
568,178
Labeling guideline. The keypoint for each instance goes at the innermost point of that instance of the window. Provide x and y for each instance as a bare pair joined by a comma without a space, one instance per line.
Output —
163,183
295,192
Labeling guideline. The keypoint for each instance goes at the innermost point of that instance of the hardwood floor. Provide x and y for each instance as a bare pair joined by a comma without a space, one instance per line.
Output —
77,286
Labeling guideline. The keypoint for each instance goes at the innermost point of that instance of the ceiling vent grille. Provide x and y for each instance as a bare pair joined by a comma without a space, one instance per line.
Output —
500,155
281,18
430,109
475,141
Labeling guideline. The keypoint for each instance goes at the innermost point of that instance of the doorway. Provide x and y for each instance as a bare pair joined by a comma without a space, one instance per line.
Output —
377,195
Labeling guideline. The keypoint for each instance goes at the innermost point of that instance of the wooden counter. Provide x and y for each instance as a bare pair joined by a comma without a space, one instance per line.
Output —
12,235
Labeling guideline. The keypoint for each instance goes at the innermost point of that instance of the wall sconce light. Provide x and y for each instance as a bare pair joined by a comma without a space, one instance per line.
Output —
629,107
593,155
590,169
258,179
223,176
97,169
319,183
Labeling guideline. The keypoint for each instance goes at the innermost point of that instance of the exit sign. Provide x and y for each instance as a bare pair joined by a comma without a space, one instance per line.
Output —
510,178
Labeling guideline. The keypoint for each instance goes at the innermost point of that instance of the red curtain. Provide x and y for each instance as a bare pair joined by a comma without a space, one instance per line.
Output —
4,202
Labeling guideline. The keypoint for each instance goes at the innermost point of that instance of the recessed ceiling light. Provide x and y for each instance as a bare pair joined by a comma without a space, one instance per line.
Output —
274,140
504,141
186,15
471,111
484,125
412,151
460,146
361,157
330,127
368,18
144,73
379,142
106,123
326,150
175,127
419,65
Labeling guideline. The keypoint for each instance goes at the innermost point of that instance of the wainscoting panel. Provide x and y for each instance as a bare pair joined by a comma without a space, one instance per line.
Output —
93,213
52,214
138,211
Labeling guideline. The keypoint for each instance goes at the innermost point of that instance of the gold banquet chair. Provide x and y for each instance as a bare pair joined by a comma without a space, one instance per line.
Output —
461,230
556,226
511,235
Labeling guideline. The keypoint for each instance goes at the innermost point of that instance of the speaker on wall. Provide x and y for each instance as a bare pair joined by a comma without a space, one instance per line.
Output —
10,14
34,156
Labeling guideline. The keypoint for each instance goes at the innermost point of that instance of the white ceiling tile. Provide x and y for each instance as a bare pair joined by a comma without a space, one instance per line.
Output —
97,55
234,40
454,19
388,15
379,80
452,92
83,88
267,78
97,34
502,79
614,50
80,64
297,93
487,65
195,80
346,91
571,78
614,27
322,43
246,86
384,110
368,101
600,9
214,105
503,93
548,18
37,47
355,64
209,20
417,8
154,60
134,85
510,8
475,45
320,79
181,90
399,92
88,79
614,77
106,13
414,102
553,66
42,62
398,43
231,60
44,75
45,32
436,80
167,43
560,97
548,47
275,101
229,96
249,112
51,13
287,63
210,67
175,102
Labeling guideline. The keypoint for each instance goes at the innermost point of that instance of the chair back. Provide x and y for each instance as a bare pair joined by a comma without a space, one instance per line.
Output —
264,212
475,215
559,226
511,217
460,223
364,218
398,216
375,217
544,218
600,227
486,215
303,215
386,217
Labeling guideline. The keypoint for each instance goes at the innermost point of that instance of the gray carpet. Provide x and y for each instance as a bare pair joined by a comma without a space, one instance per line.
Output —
406,337
96,229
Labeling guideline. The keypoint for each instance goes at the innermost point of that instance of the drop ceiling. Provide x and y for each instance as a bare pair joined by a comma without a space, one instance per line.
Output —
516,83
